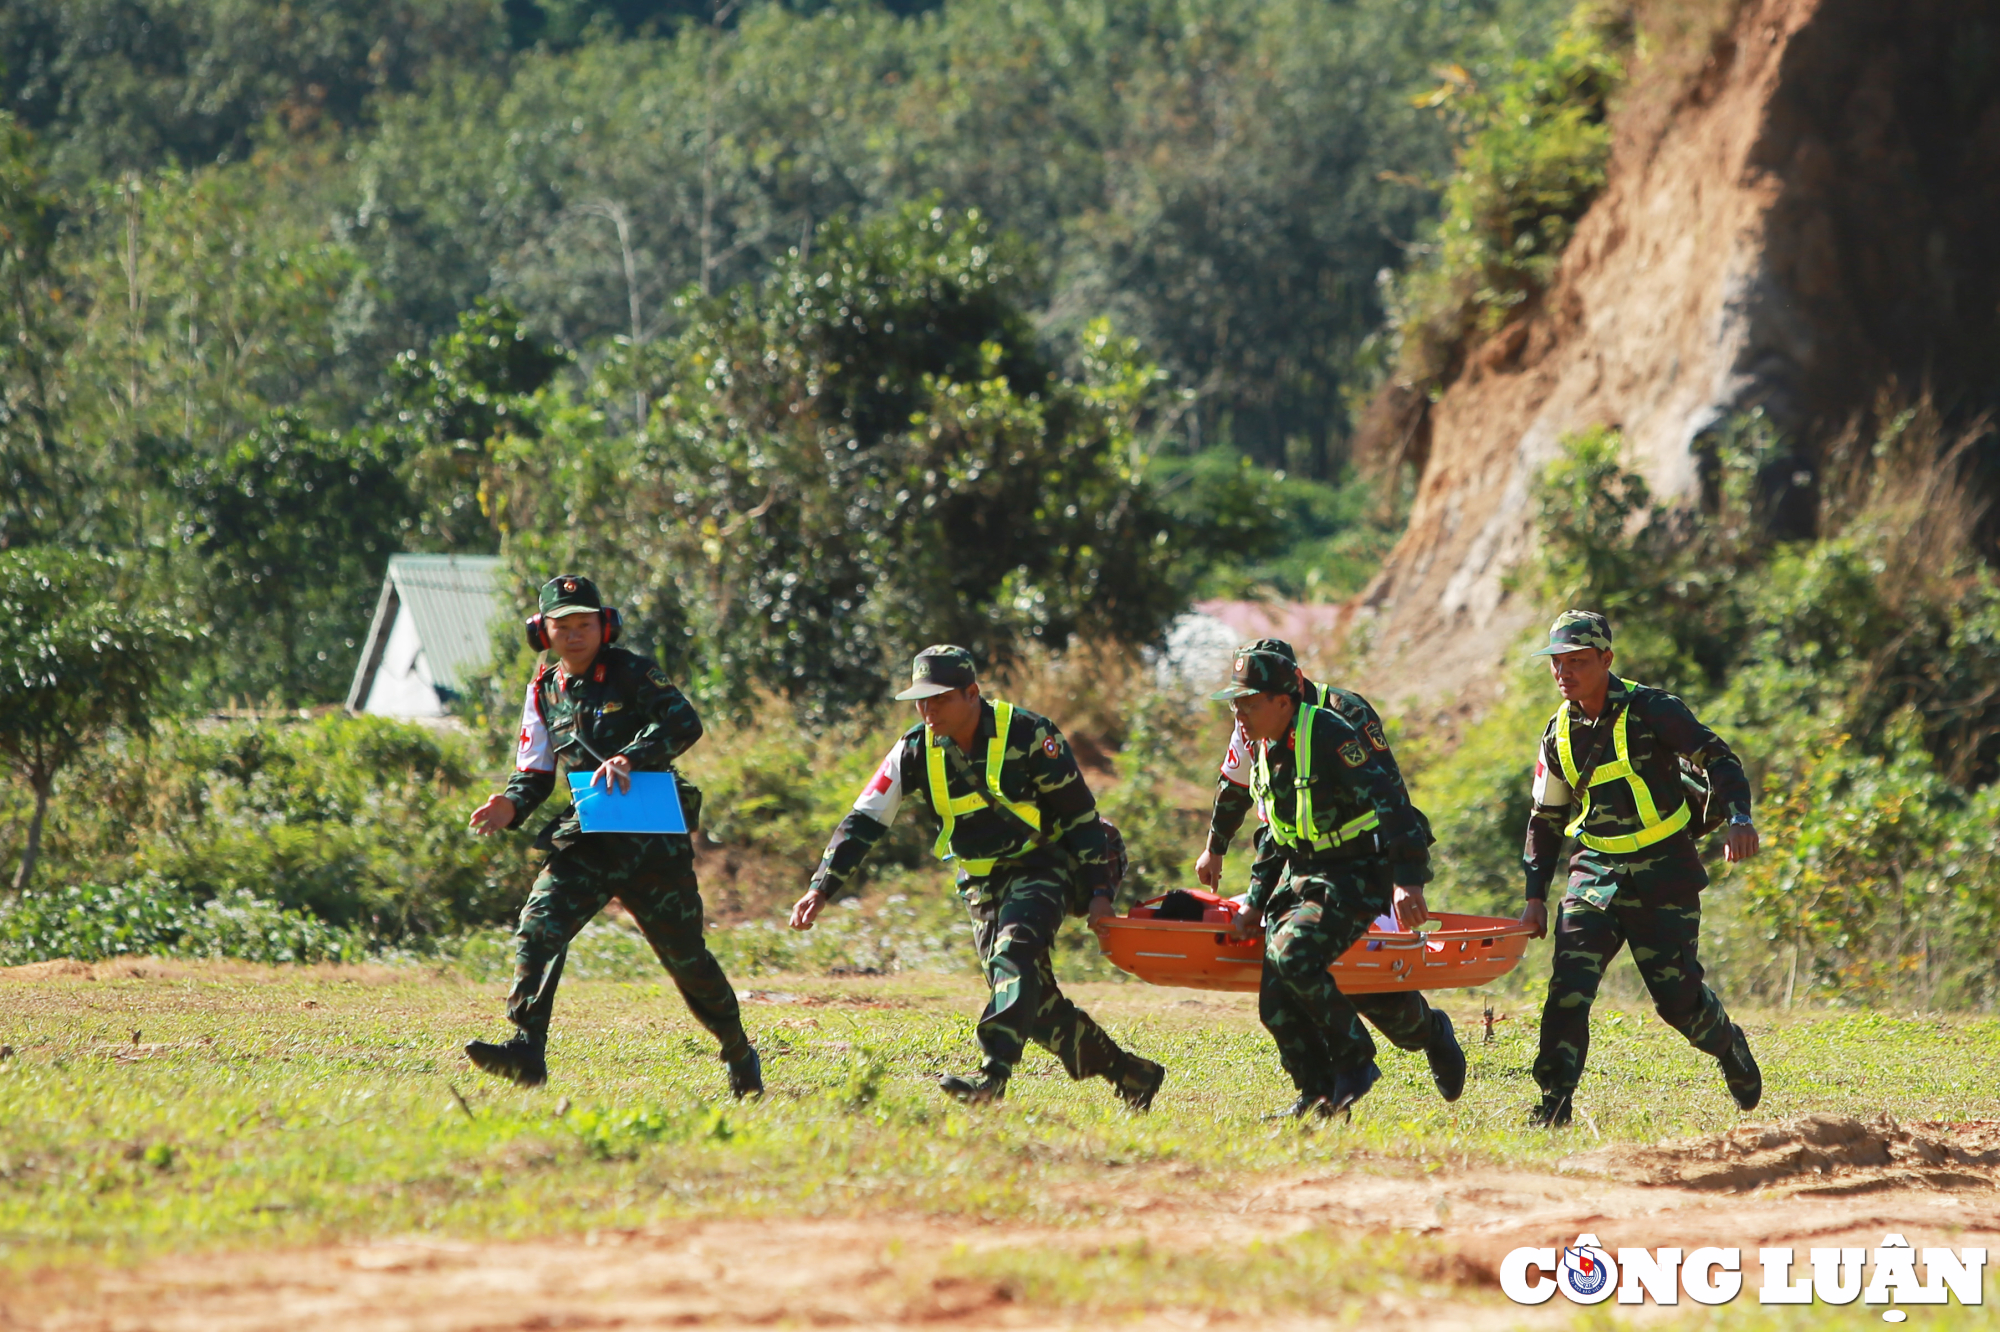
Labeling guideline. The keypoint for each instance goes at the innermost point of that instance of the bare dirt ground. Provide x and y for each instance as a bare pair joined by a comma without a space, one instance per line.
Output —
1815,1181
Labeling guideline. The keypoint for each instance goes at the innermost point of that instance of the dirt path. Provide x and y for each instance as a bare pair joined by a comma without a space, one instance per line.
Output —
1819,1181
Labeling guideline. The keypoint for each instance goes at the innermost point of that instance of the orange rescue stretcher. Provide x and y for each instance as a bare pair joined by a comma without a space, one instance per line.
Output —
1199,955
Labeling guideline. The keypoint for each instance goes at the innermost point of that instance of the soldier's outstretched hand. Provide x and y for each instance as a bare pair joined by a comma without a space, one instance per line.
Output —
496,815
1536,913
807,909
1739,843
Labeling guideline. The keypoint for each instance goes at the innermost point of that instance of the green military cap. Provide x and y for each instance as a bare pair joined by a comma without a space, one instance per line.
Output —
1277,645
566,594
939,669
1259,671
1575,630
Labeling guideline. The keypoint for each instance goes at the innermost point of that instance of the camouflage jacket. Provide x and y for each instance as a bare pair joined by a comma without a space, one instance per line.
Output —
1233,801
623,704
1038,769
1350,776
1660,728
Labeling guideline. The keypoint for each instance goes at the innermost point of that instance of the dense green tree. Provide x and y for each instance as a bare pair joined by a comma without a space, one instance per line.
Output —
292,528
1228,178
443,411
118,85
33,490
75,663
201,356
867,453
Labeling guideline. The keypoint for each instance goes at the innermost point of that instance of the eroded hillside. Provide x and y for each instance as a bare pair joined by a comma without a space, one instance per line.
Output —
1805,221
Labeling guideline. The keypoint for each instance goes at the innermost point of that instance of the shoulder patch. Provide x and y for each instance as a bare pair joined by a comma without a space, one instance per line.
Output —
1352,754
1373,730
658,677
1051,746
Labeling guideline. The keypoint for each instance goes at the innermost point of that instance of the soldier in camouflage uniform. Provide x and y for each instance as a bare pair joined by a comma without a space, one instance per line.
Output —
1022,829
1403,1016
1636,875
1345,846
612,712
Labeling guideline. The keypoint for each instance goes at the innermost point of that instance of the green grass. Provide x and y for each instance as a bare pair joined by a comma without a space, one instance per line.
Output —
281,1107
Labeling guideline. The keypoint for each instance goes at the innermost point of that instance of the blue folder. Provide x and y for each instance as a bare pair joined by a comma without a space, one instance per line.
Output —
652,805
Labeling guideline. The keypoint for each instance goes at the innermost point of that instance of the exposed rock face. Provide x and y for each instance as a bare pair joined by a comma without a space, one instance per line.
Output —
1817,215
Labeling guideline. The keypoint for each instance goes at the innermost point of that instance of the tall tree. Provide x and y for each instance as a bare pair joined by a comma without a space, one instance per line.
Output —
1228,178
75,664
865,454
33,492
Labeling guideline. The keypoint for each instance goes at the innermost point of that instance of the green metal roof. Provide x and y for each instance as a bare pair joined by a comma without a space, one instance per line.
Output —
453,602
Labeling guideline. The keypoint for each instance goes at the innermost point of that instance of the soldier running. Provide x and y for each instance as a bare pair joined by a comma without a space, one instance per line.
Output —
611,712
1401,1015
1020,825
1348,846
1636,875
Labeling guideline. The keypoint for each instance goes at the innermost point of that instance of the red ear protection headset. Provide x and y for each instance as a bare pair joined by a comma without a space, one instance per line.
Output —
538,629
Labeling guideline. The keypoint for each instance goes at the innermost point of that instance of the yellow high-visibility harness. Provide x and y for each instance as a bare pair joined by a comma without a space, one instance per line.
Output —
1653,828
1303,831
949,807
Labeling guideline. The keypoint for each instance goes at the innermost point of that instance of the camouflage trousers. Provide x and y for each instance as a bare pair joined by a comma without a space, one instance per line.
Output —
657,885
1663,936
1315,918
1014,927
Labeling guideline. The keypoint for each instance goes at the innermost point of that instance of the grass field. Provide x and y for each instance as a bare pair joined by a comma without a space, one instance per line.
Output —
181,1107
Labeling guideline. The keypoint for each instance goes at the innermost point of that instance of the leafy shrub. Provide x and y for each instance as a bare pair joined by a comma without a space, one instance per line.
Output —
1867,884
356,822
148,917
1532,162
1477,797
1274,533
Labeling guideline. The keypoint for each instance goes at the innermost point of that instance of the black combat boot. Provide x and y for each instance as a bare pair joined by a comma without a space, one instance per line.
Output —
746,1076
1553,1111
982,1088
1351,1087
1447,1060
519,1060
1740,1072
1136,1081
1311,1104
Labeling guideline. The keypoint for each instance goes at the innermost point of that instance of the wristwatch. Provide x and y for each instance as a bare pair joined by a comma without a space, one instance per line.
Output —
1739,820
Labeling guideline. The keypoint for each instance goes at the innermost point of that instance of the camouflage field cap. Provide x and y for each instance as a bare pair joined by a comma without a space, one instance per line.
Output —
1277,645
1259,671
1575,630
566,594
939,669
